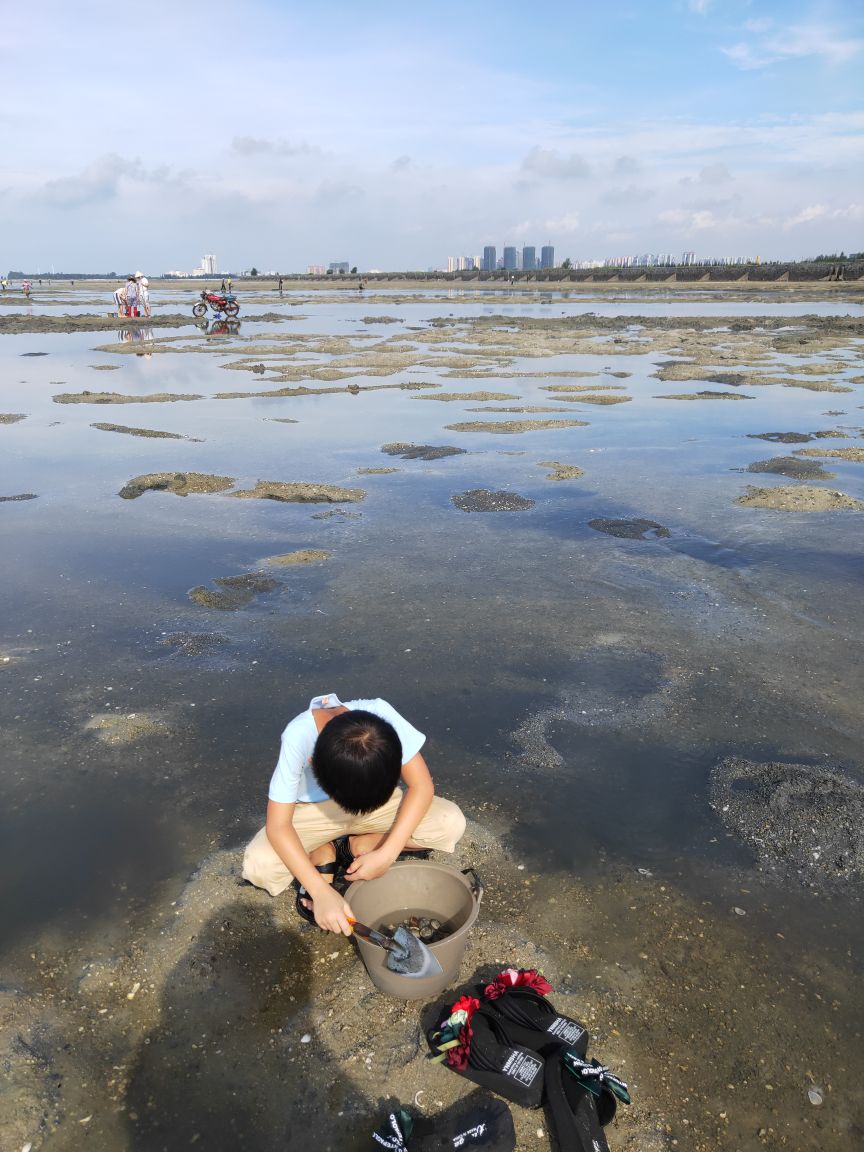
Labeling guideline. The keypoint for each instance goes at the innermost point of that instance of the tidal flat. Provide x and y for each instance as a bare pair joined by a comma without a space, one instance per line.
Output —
639,675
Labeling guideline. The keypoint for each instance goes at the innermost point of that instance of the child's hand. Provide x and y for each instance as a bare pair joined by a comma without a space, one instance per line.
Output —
369,865
332,912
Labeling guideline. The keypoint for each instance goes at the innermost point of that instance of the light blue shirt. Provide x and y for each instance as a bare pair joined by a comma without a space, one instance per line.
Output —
293,780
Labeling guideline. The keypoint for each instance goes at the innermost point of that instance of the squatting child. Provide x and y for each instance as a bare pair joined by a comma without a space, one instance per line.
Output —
336,810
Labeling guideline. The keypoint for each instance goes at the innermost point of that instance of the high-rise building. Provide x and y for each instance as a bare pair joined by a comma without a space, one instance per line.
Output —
208,265
529,259
452,263
338,266
509,259
547,256
490,258
689,258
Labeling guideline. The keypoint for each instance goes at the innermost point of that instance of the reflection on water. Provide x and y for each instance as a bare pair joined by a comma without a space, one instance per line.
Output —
595,675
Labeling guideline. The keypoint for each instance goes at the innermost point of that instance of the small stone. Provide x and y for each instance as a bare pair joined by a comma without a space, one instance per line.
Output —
739,911
539,1133
133,992
306,1038
815,1097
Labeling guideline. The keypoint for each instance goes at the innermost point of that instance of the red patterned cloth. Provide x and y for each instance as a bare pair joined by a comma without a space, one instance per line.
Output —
517,978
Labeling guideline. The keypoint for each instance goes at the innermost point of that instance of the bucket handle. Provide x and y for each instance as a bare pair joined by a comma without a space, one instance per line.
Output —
477,885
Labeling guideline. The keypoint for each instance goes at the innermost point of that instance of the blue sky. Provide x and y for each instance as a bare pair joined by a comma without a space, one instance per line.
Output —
393,135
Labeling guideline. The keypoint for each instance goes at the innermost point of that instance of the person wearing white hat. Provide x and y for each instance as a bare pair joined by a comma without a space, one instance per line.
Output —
143,292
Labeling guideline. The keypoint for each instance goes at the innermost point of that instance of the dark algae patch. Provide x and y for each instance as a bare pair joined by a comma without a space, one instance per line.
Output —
151,432
422,451
636,529
482,500
20,496
233,592
805,821
792,466
180,483
705,396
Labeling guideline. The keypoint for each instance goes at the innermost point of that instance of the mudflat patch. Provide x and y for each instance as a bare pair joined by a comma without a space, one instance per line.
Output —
803,498
300,493
804,820
148,432
19,496
484,500
512,427
422,451
376,471
633,529
301,556
854,454
561,471
86,397
449,397
602,398
180,483
105,367
113,728
233,592
817,385
193,643
12,417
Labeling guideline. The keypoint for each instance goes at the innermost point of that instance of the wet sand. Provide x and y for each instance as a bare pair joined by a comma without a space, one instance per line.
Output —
600,675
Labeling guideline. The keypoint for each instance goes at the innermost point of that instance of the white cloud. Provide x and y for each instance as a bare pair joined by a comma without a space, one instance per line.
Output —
256,146
821,212
700,6
552,164
796,42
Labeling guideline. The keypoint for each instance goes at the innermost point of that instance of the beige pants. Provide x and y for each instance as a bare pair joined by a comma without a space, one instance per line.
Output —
442,828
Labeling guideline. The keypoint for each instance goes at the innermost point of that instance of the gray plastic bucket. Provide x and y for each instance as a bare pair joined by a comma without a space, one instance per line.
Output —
417,888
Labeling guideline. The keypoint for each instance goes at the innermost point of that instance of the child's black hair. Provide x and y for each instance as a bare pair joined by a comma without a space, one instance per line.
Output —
357,760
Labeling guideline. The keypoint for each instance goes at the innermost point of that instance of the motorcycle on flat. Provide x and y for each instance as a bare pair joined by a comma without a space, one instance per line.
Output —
220,302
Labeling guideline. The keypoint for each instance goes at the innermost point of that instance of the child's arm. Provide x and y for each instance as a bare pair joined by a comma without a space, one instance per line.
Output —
415,804
329,907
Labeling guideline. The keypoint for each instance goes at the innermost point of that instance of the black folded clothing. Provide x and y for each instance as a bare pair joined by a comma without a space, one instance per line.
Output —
532,1021
571,1111
480,1049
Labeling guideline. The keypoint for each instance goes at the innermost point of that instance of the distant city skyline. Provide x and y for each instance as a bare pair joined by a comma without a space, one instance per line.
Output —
713,125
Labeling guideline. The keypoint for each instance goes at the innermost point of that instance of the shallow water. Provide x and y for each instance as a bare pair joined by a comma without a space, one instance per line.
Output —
585,683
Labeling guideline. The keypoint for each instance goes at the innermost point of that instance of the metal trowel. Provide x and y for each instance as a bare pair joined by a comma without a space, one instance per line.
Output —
405,953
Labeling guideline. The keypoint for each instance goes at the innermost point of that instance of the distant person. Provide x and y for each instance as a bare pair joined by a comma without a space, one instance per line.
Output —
280,285
120,300
144,295
222,289
131,296
26,286
229,285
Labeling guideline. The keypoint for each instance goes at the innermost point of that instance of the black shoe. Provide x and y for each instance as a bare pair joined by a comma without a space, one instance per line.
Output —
330,869
474,1122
